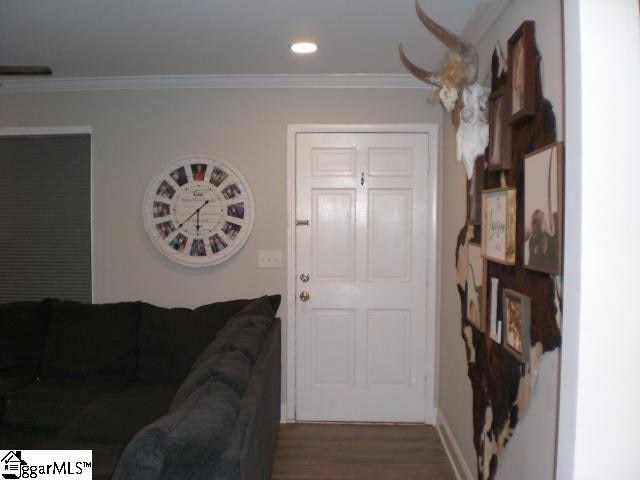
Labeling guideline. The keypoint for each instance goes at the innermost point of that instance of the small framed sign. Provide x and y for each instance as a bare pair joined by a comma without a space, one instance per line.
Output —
474,194
516,309
522,72
499,131
499,225
475,287
495,325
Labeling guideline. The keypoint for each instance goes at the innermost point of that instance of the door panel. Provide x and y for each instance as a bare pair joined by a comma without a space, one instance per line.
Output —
389,239
361,336
333,348
385,162
340,162
333,242
389,362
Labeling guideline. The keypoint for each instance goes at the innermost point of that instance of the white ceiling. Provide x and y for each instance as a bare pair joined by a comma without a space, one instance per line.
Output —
101,38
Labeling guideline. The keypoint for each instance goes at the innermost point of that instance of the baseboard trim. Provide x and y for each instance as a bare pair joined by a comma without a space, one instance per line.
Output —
460,467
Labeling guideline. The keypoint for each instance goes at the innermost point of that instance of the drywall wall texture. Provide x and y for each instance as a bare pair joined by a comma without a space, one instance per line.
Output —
530,454
137,132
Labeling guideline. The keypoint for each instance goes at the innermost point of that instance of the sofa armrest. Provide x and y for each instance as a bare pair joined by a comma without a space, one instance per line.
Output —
252,450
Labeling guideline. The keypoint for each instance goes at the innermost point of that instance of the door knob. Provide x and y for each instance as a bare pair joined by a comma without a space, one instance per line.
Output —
304,277
304,295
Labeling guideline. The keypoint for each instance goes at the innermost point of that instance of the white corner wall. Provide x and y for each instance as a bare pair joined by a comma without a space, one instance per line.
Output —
600,385
530,454
137,132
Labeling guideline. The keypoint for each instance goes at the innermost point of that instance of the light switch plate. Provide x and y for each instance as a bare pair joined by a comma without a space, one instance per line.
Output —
269,258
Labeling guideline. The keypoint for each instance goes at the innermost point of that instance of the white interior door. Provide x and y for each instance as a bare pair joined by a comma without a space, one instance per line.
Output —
361,237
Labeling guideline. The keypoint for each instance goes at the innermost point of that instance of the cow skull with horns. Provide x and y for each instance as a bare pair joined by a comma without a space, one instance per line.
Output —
460,76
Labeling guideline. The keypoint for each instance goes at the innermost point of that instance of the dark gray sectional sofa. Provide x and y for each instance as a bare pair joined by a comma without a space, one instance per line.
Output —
155,393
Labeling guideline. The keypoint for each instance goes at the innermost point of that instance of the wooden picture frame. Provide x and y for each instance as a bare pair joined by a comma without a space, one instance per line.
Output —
499,155
475,287
516,324
474,194
499,225
521,82
543,203
495,324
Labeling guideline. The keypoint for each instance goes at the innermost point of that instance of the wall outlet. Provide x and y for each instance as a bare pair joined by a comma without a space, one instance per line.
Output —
269,258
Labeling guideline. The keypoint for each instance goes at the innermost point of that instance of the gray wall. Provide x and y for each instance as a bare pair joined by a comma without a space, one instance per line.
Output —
530,454
137,132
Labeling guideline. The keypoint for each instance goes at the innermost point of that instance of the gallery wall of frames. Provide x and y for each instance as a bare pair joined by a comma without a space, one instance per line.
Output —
509,253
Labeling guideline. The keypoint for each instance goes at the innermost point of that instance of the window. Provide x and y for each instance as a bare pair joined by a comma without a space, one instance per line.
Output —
45,217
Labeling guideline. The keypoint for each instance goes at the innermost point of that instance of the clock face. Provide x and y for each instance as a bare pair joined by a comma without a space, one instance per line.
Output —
198,211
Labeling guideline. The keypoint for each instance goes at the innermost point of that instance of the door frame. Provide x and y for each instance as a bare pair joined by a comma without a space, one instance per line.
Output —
434,212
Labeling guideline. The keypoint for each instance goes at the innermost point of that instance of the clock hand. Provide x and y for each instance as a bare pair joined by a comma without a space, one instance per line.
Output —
198,221
197,212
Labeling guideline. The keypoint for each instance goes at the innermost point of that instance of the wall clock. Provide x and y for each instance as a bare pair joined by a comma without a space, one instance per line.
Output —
198,211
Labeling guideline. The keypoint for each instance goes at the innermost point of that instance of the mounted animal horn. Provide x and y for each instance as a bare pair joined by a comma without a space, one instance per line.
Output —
468,53
421,74
458,81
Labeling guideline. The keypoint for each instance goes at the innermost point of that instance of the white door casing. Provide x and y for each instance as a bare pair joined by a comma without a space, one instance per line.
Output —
365,340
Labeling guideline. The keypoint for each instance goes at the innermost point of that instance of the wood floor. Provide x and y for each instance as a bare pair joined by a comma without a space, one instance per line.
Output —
354,452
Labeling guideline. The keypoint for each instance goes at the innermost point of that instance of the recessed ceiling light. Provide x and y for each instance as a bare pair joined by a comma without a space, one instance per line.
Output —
304,47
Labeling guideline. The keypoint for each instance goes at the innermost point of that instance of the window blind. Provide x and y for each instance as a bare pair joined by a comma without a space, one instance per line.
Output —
45,217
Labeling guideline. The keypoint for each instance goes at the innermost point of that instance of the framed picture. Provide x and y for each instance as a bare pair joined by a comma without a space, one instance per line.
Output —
495,325
543,180
499,225
522,73
516,309
475,287
499,131
474,194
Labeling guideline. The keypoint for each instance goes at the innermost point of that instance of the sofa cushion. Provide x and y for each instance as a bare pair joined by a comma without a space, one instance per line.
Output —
171,339
24,438
258,314
23,332
116,417
9,384
91,341
105,456
232,368
178,445
54,402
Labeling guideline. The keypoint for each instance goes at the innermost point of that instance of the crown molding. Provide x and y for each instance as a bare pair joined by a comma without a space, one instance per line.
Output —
485,15
52,84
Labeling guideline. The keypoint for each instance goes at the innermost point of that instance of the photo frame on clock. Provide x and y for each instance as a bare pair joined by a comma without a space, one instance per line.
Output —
499,225
499,155
521,81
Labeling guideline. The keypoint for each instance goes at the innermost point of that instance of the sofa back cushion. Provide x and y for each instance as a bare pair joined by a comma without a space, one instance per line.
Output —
171,339
185,442
23,332
231,368
91,341
258,314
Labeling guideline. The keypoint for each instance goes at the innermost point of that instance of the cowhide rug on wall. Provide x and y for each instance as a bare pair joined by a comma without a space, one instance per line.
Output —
502,386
